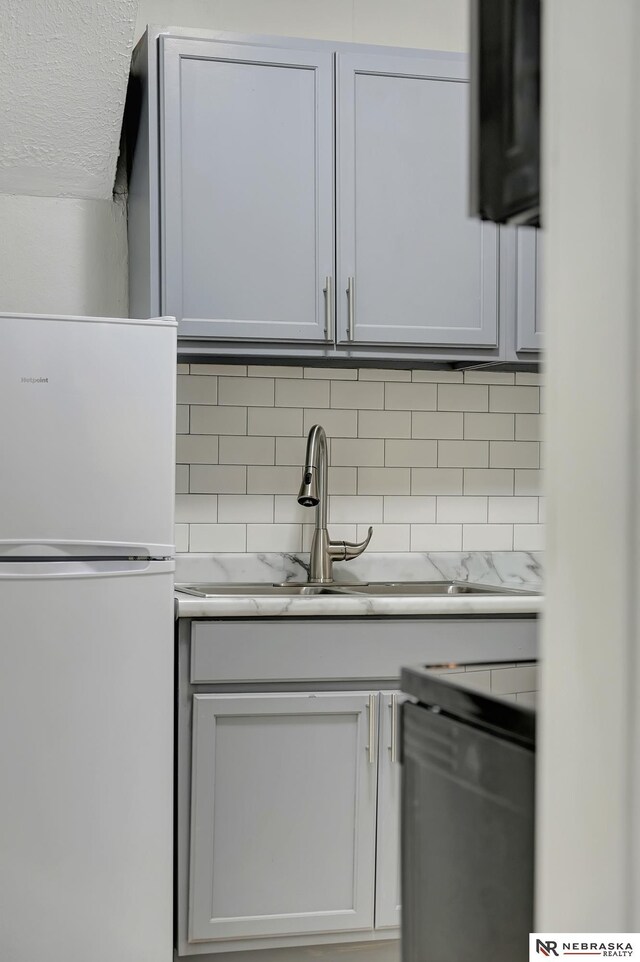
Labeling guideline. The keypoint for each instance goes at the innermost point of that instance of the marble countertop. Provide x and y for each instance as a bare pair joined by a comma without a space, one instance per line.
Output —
508,569
361,605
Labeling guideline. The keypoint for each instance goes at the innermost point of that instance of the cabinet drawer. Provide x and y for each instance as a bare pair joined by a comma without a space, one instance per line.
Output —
325,649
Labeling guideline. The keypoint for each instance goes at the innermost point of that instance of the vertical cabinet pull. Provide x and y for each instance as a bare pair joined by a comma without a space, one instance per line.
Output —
393,747
372,729
351,305
328,307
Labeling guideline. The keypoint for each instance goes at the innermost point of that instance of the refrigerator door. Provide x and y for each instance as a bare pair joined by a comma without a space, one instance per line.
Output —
87,439
86,755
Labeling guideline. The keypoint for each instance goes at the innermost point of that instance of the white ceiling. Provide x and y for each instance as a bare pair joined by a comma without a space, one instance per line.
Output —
63,77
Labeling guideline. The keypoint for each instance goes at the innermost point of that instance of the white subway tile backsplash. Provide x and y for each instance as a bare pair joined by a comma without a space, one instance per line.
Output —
218,537
528,427
273,480
361,395
488,377
507,681
463,454
181,535
290,450
528,482
270,370
245,508
445,425
410,397
227,370
291,393
196,449
246,450
487,537
488,481
197,390
182,478
357,452
384,480
436,537
182,369
384,424
506,510
211,419
400,509
463,510
331,373
526,377
383,374
274,537
436,481
274,422
410,454
528,537
434,460
488,427
182,419
343,480
438,377
217,479
246,391
337,423
514,454
515,399
350,510
196,507
463,397
387,537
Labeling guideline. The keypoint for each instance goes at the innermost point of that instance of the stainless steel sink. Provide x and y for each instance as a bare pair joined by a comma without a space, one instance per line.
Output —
409,589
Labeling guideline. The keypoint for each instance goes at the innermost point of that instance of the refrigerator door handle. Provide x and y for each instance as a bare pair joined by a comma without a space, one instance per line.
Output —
68,550
98,568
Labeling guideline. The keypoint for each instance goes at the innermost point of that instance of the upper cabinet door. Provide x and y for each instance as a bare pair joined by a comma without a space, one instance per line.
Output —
413,267
247,189
528,289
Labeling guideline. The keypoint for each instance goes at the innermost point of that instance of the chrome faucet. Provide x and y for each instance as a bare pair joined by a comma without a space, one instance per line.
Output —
313,494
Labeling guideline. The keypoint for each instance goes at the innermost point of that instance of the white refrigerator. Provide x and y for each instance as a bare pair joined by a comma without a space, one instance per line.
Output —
87,468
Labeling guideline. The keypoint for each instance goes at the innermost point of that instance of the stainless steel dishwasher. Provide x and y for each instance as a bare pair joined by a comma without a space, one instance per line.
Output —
467,820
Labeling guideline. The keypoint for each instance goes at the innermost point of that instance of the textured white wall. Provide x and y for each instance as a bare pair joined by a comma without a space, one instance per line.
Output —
63,78
438,24
63,255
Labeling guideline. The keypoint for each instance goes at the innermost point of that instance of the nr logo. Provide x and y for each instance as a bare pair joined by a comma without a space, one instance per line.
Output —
546,948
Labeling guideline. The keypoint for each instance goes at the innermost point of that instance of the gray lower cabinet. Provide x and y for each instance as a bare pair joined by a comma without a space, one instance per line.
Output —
388,835
283,814
413,267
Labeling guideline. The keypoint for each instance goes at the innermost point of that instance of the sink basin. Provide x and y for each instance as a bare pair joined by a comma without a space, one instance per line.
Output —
409,589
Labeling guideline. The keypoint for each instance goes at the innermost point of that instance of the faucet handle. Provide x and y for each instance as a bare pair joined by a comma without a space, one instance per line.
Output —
352,548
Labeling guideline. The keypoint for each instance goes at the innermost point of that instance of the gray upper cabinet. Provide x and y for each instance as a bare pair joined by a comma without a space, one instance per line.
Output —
308,200
246,189
528,299
413,267
283,814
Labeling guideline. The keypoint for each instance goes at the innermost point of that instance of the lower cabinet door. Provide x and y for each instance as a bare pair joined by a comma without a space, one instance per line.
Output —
388,857
283,814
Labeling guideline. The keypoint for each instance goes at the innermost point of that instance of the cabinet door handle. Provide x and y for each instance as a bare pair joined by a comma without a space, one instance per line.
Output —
394,728
328,307
372,729
351,304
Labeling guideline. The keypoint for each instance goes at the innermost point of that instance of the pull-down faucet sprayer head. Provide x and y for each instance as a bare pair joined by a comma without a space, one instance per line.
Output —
308,494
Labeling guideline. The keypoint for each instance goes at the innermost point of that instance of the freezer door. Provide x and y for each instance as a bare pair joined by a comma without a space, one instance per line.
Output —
86,755
87,440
